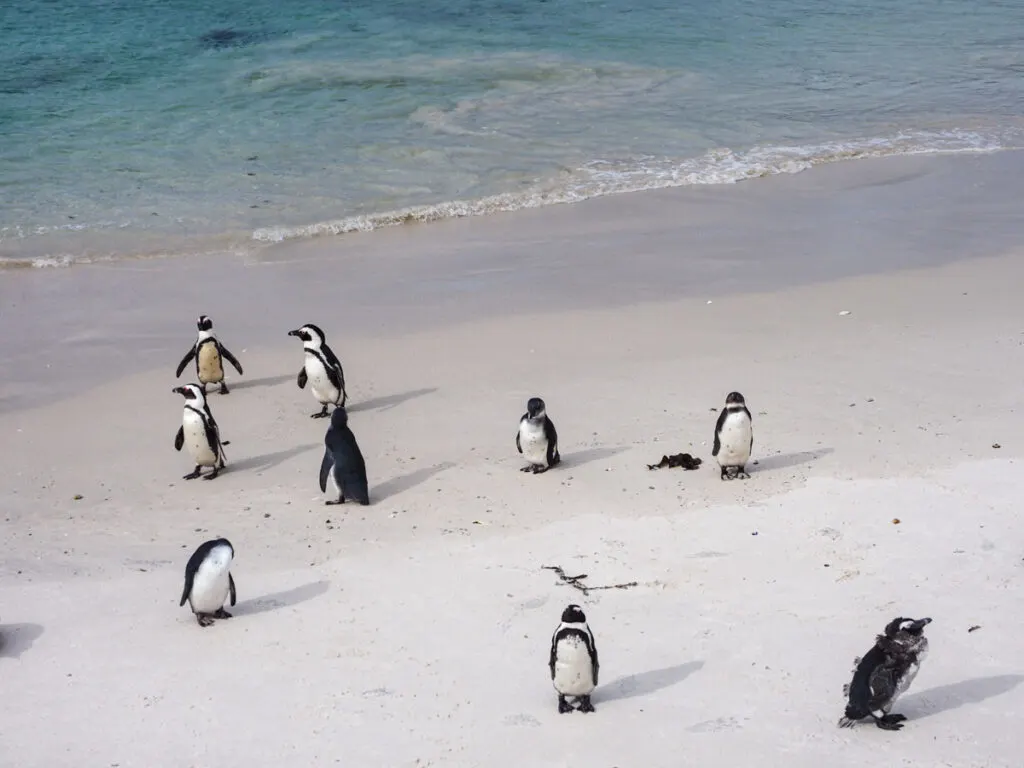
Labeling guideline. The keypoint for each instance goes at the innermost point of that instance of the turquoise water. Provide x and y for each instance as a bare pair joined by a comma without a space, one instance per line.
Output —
130,127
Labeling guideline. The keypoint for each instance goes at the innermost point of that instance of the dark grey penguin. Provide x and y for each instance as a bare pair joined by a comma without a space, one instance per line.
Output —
321,369
343,463
734,437
208,581
885,672
537,438
573,661
210,355
200,432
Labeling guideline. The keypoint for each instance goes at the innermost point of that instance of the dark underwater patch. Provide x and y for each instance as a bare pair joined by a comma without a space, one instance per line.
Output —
226,37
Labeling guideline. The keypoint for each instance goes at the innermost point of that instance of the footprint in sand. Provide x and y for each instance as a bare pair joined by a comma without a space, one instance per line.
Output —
521,719
718,724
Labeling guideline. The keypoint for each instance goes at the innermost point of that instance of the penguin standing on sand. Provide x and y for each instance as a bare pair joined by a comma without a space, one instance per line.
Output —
321,369
734,438
208,581
537,439
210,355
885,672
573,661
200,432
343,463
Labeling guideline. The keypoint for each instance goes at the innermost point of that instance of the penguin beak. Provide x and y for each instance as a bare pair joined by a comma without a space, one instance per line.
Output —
178,390
921,624
293,333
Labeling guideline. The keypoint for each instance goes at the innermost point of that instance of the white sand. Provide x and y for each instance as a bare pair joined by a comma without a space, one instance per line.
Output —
415,632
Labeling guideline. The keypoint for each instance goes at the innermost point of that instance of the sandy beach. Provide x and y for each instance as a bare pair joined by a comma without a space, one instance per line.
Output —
868,311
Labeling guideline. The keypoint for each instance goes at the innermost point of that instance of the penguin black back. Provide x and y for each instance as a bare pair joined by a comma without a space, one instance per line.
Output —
343,461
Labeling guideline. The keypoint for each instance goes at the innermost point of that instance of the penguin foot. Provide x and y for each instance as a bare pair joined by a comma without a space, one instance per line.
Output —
585,705
894,718
204,619
725,474
537,469
224,388
216,471
888,725
320,414
563,705
742,474
332,503
527,468
221,614
192,475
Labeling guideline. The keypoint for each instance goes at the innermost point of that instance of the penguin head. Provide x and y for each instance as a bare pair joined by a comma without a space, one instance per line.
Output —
192,393
535,408
573,614
339,417
904,636
735,399
204,323
310,334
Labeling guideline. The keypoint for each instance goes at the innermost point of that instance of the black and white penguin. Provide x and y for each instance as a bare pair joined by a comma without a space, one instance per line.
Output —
321,369
210,355
885,672
343,464
200,431
573,662
734,437
537,439
208,581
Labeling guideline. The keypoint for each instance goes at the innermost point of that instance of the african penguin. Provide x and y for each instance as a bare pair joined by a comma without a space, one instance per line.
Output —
734,437
199,430
537,439
321,368
343,463
208,581
573,661
210,355
885,672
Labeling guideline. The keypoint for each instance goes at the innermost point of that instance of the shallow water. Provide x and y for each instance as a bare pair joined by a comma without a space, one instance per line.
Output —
187,126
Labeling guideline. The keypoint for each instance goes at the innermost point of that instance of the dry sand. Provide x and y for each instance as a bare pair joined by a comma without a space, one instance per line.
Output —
415,632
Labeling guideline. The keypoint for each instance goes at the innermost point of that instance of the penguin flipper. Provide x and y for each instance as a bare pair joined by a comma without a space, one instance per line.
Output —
519,445
229,357
554,654
325,469
184,361
231,587
718,430
179,439
189,577
552,437
301,380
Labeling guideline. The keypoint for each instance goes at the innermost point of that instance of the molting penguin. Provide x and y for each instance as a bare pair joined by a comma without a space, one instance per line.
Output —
343,463
537,439
208,581
885,672
573,661
734,437
210,355
199,430
321,368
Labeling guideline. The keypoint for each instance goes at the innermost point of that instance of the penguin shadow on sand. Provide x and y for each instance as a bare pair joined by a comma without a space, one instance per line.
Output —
15,639
285,599
266,381
645,683
579,458
268,460
387,402
786,460
397,485
946,697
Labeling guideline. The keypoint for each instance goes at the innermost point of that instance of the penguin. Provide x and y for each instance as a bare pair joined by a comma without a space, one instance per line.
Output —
321,368
210,355
537,438
343,462
734,438
573,661
201,432
208,581
885,672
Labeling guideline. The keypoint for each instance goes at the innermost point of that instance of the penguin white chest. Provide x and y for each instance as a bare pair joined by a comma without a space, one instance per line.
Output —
734,440
210,586
195,439
574,673
319,382
904,682
211,369
534,442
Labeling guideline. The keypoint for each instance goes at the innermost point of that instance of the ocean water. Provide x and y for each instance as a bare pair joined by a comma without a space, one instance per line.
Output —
183,125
